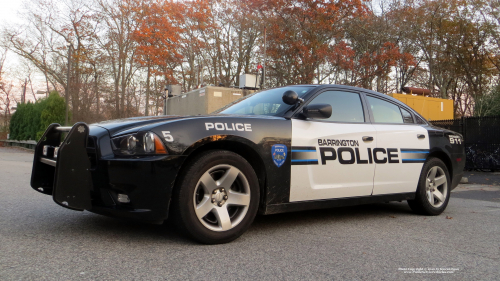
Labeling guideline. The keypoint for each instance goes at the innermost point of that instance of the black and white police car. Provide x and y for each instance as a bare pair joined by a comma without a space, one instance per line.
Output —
280,150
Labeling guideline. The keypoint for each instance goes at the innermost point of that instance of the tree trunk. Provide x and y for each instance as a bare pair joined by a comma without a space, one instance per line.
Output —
146,110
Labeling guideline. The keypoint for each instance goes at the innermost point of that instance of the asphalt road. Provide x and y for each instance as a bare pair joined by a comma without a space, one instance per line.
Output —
487,178
40,240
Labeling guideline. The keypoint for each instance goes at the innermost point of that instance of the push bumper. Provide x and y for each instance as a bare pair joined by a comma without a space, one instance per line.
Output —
79,176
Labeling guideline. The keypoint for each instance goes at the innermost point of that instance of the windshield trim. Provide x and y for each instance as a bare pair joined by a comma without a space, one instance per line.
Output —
278,114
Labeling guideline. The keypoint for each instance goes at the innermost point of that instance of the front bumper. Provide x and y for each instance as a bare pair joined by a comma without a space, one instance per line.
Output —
86,175
458,169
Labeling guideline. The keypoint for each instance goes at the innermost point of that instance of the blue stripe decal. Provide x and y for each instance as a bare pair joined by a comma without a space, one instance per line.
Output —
303,150
411,160
303,160
405,151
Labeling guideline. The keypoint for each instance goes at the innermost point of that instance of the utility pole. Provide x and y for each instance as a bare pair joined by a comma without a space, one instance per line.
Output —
165,98
66,95
264,66
23,98
201,78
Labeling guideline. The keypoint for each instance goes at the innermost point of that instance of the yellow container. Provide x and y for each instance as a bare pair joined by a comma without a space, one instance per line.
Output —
429,108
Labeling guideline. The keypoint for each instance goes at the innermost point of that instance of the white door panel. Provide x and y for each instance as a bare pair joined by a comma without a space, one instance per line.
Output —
402,167
317,173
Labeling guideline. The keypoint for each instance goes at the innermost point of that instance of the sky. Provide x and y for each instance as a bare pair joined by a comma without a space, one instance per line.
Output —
8,10
8,15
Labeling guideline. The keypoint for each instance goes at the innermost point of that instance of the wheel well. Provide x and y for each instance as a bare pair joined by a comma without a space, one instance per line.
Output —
241,149
443,157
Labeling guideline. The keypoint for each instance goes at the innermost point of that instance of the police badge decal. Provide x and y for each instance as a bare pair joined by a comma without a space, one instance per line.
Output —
279,152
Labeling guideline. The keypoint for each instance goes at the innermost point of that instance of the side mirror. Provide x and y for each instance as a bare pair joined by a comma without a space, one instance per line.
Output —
290,97
317,111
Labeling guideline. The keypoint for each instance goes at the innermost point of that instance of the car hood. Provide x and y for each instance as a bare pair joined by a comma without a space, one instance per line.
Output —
132,125
115,127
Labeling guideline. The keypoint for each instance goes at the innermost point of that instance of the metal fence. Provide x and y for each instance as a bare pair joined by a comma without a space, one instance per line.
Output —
482,140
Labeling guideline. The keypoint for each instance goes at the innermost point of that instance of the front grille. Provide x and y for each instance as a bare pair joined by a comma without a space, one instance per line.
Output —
92,151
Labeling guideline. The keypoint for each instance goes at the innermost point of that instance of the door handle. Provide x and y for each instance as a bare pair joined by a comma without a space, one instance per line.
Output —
420,136
367,138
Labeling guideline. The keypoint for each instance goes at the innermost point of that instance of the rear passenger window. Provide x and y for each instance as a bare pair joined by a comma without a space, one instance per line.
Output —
346,106
407,118
384,112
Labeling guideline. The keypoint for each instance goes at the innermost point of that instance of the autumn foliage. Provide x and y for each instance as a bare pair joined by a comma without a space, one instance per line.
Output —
124,52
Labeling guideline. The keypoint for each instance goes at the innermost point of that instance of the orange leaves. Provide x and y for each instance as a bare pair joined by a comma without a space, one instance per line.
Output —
301,33
162,26
380,63
342,56
158,34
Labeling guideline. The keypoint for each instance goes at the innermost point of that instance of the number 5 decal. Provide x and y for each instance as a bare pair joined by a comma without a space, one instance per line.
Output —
168,137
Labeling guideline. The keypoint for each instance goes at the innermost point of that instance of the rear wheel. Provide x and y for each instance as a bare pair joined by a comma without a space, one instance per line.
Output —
217,197
433,192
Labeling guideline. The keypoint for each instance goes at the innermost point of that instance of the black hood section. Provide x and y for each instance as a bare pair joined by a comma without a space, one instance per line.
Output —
134,123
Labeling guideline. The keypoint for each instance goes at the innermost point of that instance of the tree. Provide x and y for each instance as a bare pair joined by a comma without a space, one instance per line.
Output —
125,52
119,20
157,36
53,111
300,33
488,104
30,120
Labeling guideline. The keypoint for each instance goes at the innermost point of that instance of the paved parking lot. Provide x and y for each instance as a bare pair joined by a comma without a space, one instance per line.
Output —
40,240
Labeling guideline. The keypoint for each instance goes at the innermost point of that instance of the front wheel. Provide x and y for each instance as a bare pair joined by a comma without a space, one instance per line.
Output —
433,192
217,197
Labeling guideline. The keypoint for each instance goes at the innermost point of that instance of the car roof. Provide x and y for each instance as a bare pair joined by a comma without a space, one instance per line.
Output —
318,87
367,91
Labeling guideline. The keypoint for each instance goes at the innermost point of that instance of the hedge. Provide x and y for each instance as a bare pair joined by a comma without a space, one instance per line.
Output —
30,120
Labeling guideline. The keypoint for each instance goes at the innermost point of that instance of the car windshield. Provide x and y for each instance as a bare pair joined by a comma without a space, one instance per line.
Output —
267,102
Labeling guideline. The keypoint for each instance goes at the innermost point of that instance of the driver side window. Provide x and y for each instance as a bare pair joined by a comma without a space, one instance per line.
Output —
346,106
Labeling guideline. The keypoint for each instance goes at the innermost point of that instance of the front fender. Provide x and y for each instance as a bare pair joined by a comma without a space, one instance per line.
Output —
260,134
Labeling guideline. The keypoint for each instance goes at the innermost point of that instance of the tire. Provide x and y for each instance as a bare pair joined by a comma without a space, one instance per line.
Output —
216,198
433,191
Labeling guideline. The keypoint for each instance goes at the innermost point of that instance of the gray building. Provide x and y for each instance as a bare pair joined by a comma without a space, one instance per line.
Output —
204,101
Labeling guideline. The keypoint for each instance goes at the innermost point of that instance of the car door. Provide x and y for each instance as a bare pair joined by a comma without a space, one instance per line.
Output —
402,147
329,157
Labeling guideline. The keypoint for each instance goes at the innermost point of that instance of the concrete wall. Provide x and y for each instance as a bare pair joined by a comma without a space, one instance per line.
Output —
204,101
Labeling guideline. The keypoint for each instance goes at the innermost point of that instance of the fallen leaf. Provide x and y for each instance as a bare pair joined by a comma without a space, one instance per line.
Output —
392,216
448,218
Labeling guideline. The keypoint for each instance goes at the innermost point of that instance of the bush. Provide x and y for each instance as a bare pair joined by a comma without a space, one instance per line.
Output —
30,120
53,112
488,104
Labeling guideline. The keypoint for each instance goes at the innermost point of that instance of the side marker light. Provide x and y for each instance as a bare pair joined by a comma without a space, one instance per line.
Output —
123,198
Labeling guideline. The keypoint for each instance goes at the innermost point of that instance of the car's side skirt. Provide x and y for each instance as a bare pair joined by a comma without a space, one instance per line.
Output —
339,202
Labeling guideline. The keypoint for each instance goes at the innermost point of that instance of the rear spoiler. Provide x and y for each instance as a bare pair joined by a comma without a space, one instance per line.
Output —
62,169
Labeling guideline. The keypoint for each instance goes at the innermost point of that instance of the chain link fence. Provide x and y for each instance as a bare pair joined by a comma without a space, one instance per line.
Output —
482,140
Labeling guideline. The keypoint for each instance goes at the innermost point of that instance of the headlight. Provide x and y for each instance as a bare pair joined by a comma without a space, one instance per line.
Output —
138,144
131,143
149,142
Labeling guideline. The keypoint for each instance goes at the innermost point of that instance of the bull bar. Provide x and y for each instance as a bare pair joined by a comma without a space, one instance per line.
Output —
66,173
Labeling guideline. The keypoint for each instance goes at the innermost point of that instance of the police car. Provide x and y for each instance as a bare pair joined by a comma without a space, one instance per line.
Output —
280,150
